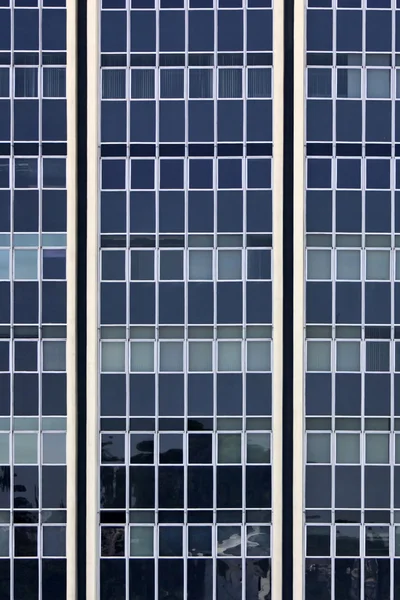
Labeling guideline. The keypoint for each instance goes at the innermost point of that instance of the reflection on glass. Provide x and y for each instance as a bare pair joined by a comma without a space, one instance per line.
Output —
258,540
229,579
229,540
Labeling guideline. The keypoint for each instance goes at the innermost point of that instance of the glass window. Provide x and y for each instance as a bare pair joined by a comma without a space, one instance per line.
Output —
347,448
378,83
26,264
259,448
318,356
319,83
171,356
54,83
229,264
378,264
112,357
4,264
258,356
4,82
229,356
4,541
377,448
229,448
349,83
200,83
141,540
54,356
26,82
348,356
318,264
348,264
142,264
142,356
318,447
200,356
113,83
200,264
142,83
171,83
230,83
259,83
4,448
54,448
25,448
54,541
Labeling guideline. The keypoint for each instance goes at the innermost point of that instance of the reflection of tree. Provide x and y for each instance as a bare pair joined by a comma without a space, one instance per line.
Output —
258,579
318,579
112,541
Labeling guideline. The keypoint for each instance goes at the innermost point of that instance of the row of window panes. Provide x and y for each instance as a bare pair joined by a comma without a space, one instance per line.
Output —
33,423
377,266
352,174
352,356
228,265
231,83
345,540
169,540
26,82
152,333
25,447
33,173
26,264
232,173
353,448
350,83
143,356
24,541
53,356
230,448
196,4
46,240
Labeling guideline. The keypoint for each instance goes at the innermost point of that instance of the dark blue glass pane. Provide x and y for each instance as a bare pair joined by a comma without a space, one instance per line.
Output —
319,173
172,31
5,30
143,122
200,487
348,302
113,31
318,394
229,174
54,579
54,126
54,487
348,211
142,212
200,394
348,394
348,487
259,30
26,120
172,121
259,211
5,120
171,303
258,394
200,303
377,394
142,395
349,30
259,120
230,211
319,30
113,174
318,486
229,579
377,212
201,31
378,121
143,31
171,212
171,174
201,121
201,174
26,578
26,303
54,394
142,303
170,578
54,30
379,31
229,302
319,120
113,121
377,303
258,487
200,579
229,394
319,302
112,579
26,30
4,302
113,303
230,30
349,173
229,488
141,579
348,120
259,302
26,404
54,302
318,211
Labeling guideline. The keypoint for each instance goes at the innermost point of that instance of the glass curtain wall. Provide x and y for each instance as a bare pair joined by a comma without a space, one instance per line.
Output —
185,212
352,333
32,299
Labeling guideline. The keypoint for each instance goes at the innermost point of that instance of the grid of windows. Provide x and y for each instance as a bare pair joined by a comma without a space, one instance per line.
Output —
32,299
185,299
352,300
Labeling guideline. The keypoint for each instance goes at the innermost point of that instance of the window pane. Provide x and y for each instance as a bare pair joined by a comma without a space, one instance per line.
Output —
318,448
349,83
378,264
348,356
112,357
141,541
229,264
258,264
348,264
200,356
230,83
259,448
171,356
377,448
347,448
142,83
171,83
318,356
200,83
4,541
229,448
25,264
318,264
142,356
113,83
319,83
259,83
4,449
258,356
26,83
229,356
200,264
4,264
54,356
378,83
54,448
4,82
25,448
54,83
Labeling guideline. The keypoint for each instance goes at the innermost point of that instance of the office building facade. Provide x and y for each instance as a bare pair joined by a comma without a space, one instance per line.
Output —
199,311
